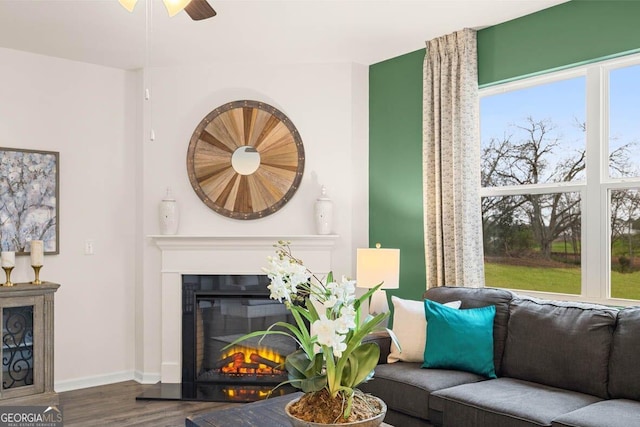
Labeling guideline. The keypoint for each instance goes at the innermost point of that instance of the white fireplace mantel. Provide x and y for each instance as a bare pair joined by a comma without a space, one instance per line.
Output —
183,254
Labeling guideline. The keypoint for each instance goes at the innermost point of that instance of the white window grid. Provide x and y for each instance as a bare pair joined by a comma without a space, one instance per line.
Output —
594,189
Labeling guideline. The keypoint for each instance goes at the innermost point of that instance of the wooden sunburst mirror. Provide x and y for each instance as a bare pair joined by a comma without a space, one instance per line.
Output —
245,160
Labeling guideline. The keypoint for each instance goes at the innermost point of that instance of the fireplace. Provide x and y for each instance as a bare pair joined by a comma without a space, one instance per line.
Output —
216,311
185,256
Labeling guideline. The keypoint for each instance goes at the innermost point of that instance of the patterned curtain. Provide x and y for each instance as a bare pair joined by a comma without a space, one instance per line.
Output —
451,162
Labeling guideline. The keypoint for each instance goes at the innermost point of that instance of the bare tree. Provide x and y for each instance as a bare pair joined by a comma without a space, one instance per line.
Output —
533,160
625,213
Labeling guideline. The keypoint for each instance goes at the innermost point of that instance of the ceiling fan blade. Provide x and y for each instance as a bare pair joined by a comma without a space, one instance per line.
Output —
199,10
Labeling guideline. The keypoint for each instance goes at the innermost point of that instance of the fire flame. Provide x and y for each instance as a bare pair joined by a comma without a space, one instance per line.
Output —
251,360
242,393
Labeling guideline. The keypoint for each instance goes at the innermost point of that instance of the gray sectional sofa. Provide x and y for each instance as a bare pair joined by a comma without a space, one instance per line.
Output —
558,364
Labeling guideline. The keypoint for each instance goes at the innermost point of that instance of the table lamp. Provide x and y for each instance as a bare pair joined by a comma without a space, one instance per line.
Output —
375,265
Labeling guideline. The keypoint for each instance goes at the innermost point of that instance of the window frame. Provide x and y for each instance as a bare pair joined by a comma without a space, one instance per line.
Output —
594,189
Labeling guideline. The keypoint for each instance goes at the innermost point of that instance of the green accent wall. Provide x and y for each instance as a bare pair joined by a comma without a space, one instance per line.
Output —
566,35
395,165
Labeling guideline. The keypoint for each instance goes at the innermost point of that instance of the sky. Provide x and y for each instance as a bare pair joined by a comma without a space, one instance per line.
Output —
564,104
624,110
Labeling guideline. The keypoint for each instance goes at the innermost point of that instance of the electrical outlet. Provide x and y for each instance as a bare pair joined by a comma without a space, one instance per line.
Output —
88,247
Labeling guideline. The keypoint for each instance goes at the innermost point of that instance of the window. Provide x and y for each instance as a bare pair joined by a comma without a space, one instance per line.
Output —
561,182
624,126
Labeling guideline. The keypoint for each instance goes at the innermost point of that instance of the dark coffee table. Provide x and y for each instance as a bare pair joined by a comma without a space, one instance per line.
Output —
264,413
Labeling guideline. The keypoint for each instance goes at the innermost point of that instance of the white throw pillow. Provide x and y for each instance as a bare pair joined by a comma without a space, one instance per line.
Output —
410,327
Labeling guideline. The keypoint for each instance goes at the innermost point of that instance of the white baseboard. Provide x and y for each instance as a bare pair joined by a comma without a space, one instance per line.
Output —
146,378
97,380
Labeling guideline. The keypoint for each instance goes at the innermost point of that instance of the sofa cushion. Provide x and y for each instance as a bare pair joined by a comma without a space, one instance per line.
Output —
406,388
480,297
507,402
624,375
410,328
608,413
560,344
460,339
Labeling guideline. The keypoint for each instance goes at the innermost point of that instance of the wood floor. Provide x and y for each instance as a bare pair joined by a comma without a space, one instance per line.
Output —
115,405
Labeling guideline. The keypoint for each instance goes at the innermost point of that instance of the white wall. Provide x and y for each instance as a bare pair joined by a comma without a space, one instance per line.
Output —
328,105
112,178
87,114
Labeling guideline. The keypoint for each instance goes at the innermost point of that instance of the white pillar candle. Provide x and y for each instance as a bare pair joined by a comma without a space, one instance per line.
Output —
8,258
37,252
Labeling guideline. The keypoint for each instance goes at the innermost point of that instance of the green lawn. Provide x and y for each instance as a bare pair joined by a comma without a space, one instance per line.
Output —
560,280
625,286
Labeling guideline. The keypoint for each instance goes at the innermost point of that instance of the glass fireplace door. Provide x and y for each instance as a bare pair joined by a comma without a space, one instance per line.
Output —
256,360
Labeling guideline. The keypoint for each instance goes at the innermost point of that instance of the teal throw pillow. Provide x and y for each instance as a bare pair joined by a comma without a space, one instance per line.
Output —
460,339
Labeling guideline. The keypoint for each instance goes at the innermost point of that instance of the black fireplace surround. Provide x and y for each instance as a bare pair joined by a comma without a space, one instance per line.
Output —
216,310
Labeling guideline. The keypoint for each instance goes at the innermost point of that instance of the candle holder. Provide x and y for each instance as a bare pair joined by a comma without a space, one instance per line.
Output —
36,269
7,271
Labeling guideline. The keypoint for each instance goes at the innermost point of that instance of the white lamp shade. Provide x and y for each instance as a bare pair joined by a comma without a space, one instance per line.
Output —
378,265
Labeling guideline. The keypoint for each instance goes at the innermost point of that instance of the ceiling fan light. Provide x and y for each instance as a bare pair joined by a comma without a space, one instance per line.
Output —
175,6
128,4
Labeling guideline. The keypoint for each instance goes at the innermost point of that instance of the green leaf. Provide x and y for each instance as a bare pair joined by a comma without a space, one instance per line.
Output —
259,334
304,373
334,375
305,339
318,363
297,361
347,410
350,371
302,384
367,295
312,310
360,365
301,310
349,392
313,384
356,342
367,356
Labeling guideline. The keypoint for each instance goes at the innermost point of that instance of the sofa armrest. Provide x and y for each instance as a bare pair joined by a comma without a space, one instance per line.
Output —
383,340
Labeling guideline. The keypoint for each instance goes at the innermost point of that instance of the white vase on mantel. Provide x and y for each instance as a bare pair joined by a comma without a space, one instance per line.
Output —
169,214
323,213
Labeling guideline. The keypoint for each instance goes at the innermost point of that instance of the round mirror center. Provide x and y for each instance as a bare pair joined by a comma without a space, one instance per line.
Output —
245,160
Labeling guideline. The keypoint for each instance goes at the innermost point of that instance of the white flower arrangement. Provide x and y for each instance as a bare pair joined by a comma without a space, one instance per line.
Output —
327,328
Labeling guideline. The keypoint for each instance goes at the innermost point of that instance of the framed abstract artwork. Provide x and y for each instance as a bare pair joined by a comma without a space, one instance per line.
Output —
29,199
